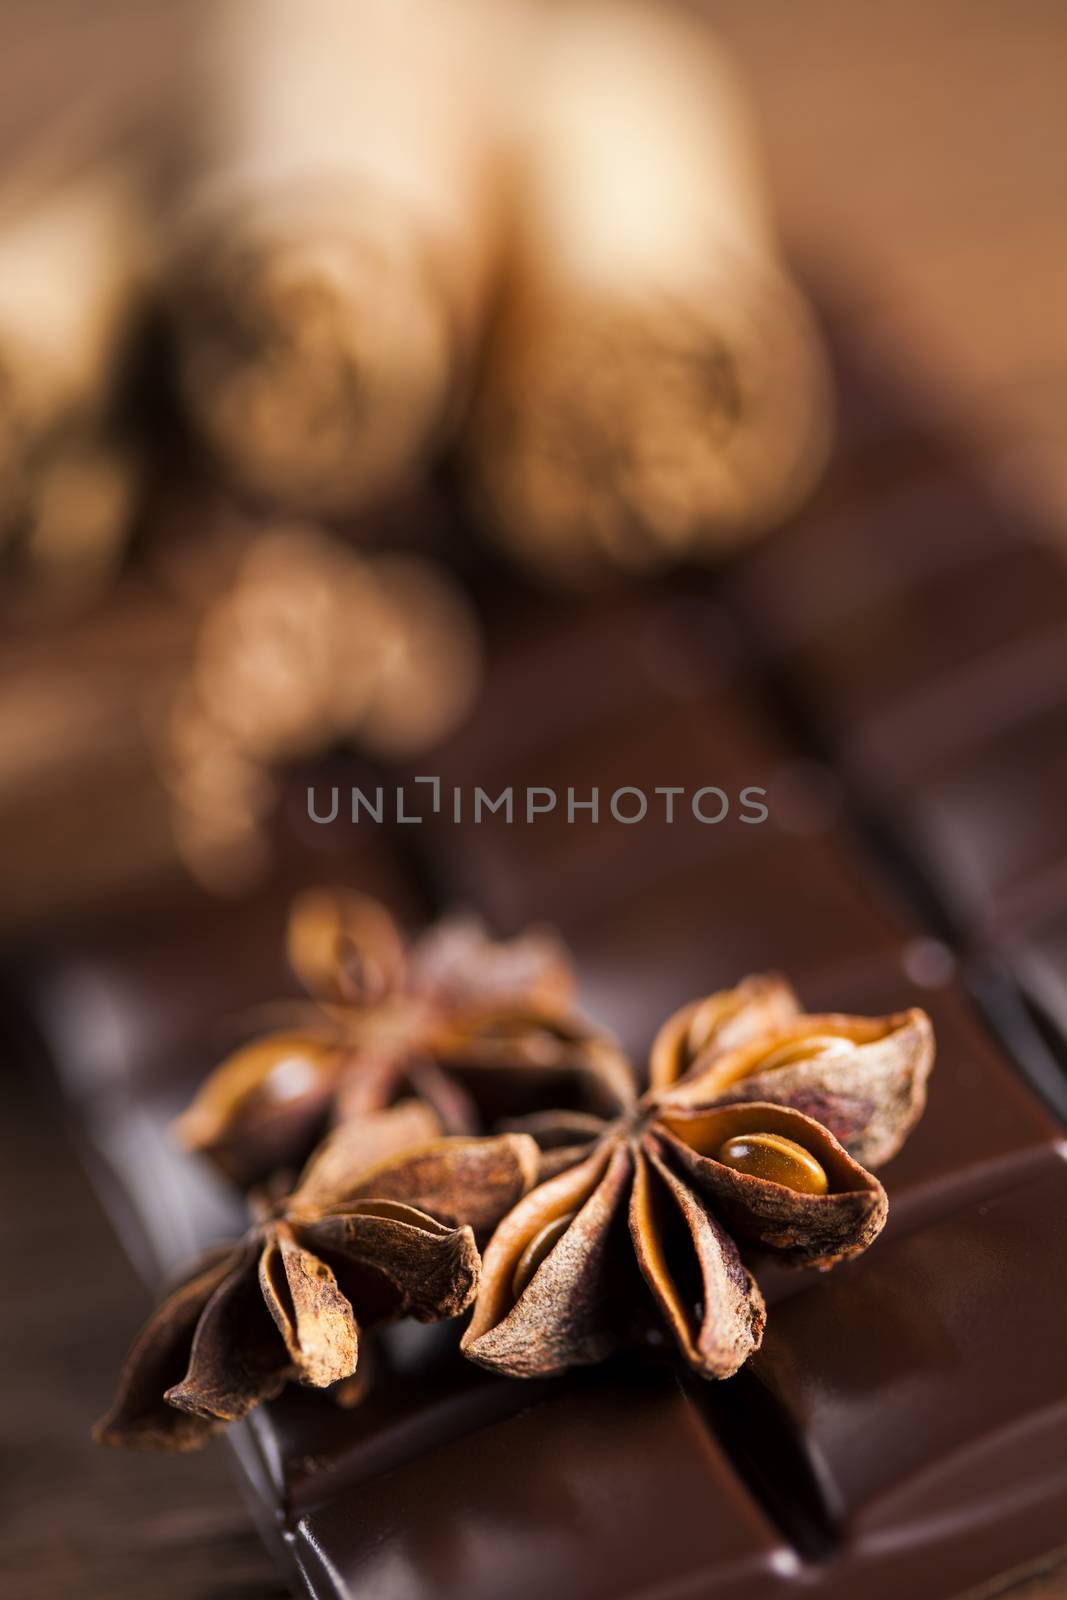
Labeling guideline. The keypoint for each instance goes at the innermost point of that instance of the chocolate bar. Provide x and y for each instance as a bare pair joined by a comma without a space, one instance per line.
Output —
930,671
902,1428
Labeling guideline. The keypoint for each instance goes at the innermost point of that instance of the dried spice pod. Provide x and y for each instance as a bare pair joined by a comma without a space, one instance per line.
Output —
344,947
864,1078
555,1318
354,1246
338,239
802,1228
730,1325
754,1008
483,1030
279,1090
655,387
690,1177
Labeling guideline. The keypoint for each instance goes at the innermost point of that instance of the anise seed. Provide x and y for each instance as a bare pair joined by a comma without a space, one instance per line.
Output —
775,1159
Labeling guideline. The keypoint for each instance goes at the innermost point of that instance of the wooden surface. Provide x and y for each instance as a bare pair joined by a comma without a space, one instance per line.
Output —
918,157
918,152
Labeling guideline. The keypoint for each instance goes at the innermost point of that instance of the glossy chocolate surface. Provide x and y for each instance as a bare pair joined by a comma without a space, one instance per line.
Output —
614,1486
903,1429
989,821
921,639
808,584
927,1376
897,660
1037,957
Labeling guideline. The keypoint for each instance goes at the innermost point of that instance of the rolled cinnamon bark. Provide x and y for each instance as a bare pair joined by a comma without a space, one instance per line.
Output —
338,240
655,388
74,269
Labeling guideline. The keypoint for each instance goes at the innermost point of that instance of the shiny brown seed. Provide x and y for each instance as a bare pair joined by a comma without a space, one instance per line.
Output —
775,1159
539,1247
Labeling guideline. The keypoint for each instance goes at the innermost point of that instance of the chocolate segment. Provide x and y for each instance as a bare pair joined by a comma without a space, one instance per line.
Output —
928,607
988,822
745,864
1037,958
807,586
613,1487
789,904
923,642
960,1378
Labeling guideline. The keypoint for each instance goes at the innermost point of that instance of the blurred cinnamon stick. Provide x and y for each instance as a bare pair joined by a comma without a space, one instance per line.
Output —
655,389
74,276
338,240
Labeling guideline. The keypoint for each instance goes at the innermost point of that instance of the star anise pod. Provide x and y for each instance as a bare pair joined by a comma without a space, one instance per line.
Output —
480,1029
750,1137
381,1226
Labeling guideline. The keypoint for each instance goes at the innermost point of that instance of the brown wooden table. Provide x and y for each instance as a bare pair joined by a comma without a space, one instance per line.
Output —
918,153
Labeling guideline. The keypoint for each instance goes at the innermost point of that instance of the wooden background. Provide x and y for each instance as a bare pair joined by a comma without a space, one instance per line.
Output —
918,151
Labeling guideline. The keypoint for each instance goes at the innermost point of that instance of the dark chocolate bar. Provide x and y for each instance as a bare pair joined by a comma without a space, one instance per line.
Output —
922,642
903,1428
992,815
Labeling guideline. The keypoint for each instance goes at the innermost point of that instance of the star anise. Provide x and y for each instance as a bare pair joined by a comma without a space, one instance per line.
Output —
479,1029
382,1225
750,1137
